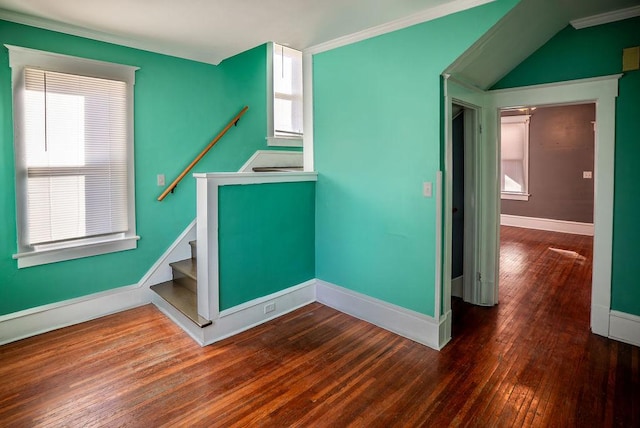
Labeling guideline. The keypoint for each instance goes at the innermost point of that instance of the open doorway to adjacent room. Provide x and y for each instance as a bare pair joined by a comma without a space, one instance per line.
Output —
547,205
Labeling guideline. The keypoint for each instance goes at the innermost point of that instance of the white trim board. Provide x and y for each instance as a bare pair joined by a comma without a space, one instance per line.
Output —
31,322
405,322
430,14
549,224
624,327
272,158
242,317
41,319
605,18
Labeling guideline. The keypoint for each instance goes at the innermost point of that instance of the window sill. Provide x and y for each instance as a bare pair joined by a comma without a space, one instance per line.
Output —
515,196
284,141
41,257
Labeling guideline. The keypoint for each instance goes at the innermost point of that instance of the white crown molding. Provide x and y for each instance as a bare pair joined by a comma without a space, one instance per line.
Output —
417,18
160,47
605,18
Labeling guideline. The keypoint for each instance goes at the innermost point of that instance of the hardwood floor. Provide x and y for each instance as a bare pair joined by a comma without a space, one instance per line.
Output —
530,361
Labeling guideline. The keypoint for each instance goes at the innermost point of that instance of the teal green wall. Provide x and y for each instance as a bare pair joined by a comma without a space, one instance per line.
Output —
266,235
180,106
597,51
377,120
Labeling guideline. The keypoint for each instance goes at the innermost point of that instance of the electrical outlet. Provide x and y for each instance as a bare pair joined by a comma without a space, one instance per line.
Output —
269,307
587,174
160,179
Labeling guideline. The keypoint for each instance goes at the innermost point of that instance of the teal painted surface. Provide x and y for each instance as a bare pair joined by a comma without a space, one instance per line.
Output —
377,123
591,52
180,106
266,234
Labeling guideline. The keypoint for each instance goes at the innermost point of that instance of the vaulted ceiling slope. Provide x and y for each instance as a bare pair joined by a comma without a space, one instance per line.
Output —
527,27
212,30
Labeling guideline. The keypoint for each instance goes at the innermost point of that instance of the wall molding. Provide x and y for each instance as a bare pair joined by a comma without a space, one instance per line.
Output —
242,317
457,286
405,322
624,327
605,18
45,318
417,18
549,224
42,319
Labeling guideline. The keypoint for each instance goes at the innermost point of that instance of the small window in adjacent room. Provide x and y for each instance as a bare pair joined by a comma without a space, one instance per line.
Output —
73,139
514,157
284,98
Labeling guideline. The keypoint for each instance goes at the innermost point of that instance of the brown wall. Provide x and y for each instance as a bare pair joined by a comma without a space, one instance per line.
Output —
561,147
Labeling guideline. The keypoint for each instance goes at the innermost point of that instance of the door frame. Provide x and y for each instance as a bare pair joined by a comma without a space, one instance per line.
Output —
472,100
603,92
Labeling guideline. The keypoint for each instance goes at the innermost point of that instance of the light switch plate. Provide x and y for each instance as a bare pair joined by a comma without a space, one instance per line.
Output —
427,189
160,179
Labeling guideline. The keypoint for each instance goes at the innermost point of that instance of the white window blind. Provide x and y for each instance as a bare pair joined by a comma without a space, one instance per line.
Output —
76,156
73,142
287,92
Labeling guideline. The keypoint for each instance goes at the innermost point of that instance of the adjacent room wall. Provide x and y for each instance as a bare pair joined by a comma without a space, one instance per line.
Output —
180,106
377,122
591,52
561,147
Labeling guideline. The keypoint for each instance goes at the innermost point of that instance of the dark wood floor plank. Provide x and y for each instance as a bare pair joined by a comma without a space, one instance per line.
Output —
529,361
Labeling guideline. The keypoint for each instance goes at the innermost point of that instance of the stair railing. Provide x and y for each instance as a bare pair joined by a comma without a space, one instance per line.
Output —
233,122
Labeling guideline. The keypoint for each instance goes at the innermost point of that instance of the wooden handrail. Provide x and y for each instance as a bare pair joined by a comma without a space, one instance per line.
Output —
173,185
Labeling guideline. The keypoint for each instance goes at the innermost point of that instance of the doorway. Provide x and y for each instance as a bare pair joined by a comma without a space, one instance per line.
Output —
547,158
601,91
460,265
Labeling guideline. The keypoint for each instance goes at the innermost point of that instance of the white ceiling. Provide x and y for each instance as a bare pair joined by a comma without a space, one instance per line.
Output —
528,26
212,30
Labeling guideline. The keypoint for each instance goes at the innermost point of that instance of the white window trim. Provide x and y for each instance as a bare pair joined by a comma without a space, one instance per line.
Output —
27,256
519,196
515,196
272,139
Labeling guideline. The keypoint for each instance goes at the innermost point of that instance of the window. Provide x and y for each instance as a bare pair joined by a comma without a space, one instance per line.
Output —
73,139
284,110
514,141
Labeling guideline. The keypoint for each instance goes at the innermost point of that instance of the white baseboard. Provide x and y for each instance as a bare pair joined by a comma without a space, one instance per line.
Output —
445,330
624,327
242,317
34,321
552,225
41,319
405,322
457,286
600,318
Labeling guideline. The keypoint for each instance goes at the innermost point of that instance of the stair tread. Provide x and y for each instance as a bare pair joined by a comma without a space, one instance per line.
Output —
182,299
188,267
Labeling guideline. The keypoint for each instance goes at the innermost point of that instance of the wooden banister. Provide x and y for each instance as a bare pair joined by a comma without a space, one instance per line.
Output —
173,185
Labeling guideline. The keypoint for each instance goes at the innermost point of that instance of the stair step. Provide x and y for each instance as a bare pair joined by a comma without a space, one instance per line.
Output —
182,299
194,248
185,273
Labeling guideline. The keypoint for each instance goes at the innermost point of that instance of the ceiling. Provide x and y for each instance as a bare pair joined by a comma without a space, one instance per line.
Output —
212,30
528,26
